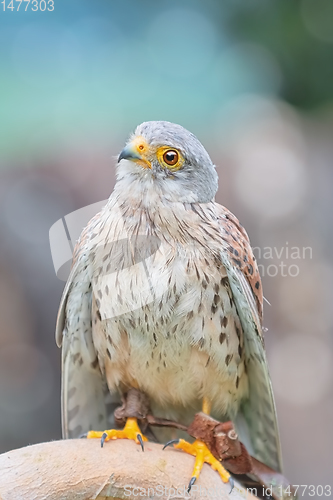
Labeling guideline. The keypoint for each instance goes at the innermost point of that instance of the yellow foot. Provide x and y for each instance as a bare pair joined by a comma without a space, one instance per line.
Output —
202,455
130,431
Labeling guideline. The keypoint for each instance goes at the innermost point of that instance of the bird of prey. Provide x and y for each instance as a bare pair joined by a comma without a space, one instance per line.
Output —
165,296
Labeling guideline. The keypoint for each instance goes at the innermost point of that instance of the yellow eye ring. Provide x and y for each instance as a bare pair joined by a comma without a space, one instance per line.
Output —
170,158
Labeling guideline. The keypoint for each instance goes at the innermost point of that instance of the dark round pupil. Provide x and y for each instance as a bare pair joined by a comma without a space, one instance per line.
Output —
171,157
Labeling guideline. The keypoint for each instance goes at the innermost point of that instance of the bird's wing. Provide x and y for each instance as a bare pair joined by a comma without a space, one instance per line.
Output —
85,400
257,420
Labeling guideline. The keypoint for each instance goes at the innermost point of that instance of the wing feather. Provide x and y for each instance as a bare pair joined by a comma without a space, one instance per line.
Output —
257,420
85,400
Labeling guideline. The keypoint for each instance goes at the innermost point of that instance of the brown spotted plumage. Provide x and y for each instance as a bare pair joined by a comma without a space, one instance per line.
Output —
165,296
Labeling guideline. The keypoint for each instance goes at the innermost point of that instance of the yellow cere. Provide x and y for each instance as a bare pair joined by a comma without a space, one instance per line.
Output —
141,145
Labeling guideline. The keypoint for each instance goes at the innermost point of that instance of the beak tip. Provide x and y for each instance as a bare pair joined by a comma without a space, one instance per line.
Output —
129,153
121,157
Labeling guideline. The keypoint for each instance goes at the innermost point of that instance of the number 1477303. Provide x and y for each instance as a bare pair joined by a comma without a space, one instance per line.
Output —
33,5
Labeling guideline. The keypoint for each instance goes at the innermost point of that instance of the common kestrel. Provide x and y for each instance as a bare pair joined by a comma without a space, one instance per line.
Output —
165,296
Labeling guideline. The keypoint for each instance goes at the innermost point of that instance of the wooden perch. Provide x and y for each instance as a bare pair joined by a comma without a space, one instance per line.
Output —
80,469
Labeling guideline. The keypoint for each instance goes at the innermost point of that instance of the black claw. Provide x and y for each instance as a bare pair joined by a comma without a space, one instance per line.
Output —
103,438
191,483
232,484
170,442
139,437
82,436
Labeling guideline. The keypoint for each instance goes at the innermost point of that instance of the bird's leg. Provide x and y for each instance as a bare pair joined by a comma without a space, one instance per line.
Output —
206,406
202,454
135,406
130,431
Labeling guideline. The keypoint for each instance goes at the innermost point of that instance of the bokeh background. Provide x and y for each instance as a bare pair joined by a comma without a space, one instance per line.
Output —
254,81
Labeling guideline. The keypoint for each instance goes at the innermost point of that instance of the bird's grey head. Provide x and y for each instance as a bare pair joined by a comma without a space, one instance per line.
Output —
171,157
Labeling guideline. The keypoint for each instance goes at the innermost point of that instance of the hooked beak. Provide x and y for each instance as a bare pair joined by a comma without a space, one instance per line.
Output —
132,152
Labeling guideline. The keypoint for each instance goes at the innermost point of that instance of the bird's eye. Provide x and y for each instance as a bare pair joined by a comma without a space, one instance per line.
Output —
171,157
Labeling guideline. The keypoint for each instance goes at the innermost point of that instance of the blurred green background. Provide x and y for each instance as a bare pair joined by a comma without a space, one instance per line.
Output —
253,79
